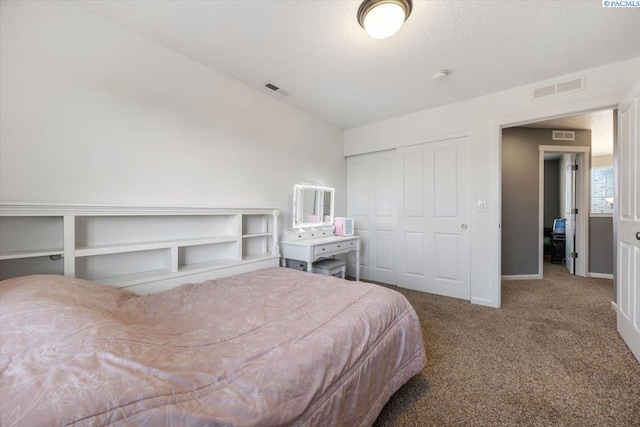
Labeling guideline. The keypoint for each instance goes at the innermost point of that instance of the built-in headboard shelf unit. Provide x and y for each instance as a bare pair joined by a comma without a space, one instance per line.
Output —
143,249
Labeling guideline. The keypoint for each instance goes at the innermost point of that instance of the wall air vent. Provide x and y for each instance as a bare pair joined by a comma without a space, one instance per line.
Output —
564,135
276,89
544,91
558,88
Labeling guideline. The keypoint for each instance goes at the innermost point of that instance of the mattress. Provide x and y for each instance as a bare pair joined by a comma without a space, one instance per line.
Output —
270,347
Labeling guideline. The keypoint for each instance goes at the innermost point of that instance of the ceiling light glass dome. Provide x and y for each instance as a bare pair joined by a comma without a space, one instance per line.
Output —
383,18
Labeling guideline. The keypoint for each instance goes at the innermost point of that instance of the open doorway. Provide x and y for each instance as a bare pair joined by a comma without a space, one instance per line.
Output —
564,230
527,221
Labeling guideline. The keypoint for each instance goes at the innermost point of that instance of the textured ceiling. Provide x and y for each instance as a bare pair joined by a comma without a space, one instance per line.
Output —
600,123
317,52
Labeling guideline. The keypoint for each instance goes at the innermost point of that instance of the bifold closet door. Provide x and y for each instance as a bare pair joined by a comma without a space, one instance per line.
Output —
433,218
371,204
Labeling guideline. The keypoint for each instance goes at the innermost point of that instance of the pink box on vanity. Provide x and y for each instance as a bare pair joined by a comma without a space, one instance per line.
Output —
344,226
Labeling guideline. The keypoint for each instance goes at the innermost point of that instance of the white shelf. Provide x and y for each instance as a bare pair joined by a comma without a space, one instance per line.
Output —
30,253
248,236
158,242
146,246
258,257
223,263
206,266
153,275
134,279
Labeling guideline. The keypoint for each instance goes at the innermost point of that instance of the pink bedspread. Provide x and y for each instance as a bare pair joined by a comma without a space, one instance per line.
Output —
270,347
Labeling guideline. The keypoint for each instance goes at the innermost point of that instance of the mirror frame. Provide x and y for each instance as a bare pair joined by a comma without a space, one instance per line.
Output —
298,200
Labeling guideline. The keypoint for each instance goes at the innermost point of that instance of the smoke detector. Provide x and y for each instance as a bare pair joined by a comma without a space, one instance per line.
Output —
440,75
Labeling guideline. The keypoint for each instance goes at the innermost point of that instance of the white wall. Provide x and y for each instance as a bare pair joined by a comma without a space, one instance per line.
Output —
93,113
480,118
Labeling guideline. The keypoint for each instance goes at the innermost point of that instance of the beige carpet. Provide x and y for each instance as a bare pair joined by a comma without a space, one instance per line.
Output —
550,356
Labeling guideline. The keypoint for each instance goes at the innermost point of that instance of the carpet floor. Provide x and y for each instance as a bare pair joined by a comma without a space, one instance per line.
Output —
550,356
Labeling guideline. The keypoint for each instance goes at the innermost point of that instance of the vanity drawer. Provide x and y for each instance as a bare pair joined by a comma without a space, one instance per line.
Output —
334,247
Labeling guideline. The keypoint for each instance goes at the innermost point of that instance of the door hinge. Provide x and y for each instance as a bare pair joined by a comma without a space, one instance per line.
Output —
574,211
574,167
574,254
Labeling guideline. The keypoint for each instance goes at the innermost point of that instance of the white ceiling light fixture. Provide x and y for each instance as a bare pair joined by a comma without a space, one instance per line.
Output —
383,18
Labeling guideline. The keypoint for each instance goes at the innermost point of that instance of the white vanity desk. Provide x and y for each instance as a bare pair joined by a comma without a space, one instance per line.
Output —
312,238
303,247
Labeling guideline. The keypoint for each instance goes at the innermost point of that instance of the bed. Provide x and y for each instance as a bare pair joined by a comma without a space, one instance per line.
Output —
271,347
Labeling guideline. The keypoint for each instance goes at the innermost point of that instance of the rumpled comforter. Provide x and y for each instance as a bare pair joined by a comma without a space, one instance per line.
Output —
266,348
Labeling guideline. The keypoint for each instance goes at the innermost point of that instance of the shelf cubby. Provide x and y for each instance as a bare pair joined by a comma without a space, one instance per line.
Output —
106,268
30,237
145,246
16,267
257,234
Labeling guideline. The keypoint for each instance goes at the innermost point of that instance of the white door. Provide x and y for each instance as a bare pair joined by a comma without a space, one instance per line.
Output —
569,214
627,214
433,217
371,204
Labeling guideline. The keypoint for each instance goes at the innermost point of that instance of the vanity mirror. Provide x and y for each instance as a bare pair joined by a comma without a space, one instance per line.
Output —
312,205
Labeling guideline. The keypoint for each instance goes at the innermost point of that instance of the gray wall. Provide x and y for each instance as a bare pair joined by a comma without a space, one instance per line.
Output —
520,157
551,192
601,245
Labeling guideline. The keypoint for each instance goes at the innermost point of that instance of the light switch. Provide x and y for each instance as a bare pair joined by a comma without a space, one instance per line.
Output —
482,205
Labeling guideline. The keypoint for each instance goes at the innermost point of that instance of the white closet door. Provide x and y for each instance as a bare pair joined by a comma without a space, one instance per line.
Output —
433,217
371,204
628,219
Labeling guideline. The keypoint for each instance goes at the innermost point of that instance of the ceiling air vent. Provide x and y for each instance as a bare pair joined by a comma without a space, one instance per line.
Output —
558,88
564,135
276,89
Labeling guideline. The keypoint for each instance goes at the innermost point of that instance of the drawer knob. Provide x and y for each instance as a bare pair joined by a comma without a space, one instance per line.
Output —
338,245
323,249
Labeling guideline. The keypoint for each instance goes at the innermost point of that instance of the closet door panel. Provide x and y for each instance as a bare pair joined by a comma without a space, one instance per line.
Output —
413,184
371,203
414,254
445,175
434,204
382,203
446,250
357,188
384,250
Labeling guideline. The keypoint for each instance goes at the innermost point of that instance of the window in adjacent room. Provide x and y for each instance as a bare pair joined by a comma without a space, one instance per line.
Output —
602,190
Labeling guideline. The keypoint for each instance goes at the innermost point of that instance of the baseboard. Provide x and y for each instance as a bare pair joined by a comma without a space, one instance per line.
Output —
614,306
601,275
523,277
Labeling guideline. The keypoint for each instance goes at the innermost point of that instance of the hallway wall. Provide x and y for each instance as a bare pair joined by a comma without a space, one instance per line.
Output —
520,180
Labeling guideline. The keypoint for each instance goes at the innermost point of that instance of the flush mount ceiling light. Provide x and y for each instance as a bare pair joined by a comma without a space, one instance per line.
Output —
383,18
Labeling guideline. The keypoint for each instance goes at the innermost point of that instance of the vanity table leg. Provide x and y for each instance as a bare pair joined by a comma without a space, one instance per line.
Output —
358,264
309,267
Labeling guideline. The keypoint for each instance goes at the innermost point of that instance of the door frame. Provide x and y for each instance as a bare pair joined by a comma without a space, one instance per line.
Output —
582,202
511,120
